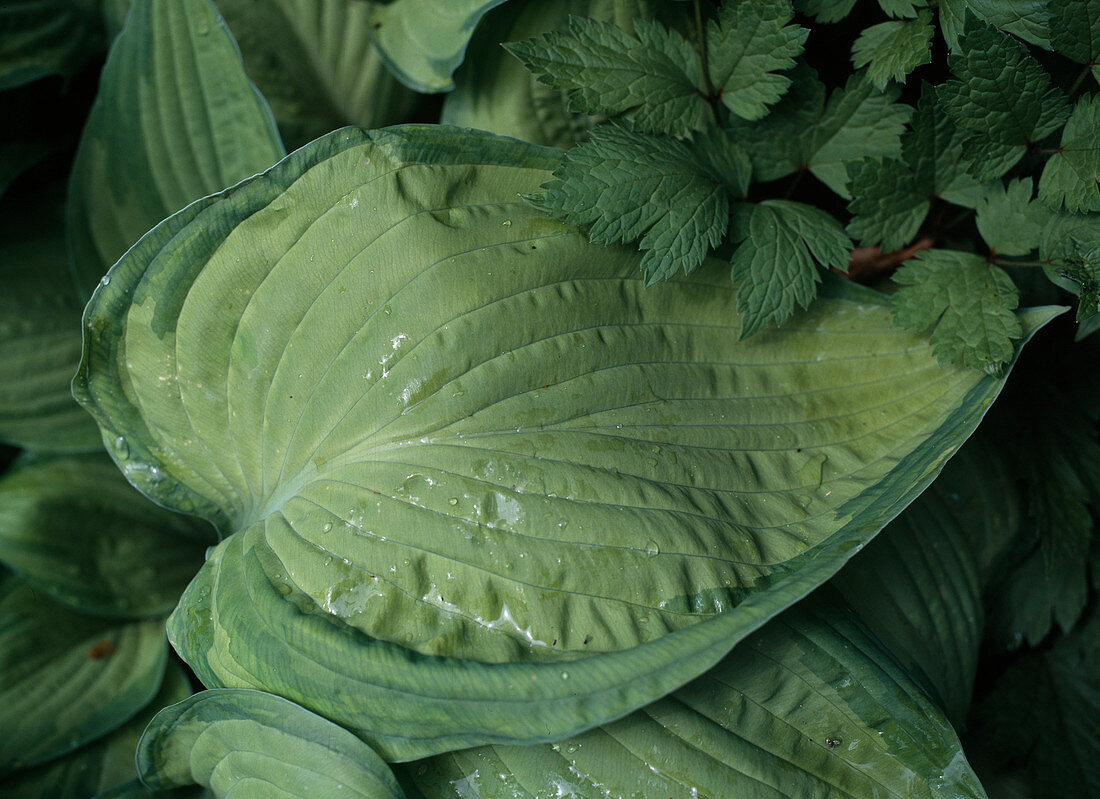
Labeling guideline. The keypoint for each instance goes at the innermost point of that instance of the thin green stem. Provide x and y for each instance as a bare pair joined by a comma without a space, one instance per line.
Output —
1004,262
1080,77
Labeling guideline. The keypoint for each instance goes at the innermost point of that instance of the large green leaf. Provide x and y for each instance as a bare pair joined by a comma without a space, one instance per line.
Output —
46,37
314,62
65,678
424,41
39,330
488,487
811,705
244,744
175,119
919,584
102,764
76,530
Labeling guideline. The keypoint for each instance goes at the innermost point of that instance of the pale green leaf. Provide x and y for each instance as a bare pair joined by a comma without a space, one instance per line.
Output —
891,50
966,301
1071,177
424,41
68,678
39,329
653,72
102,764
811,705
749,44
776,266
1027,19
76,530
175,119
314,63
1009,220
243,743
428,508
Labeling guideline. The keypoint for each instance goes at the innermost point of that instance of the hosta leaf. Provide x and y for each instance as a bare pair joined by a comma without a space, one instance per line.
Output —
314,62
175,119
424,41
102,764
919,584
811,705
75,529
1071,177
653,72
46,37
245,743
467,506
39,330
68,678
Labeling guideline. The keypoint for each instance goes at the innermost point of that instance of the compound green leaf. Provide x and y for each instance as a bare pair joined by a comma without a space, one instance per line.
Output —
1026,19
776,266
424,41
891,50
1071,178
103,764
811,705
888,205
625,186
76,530
749,44
314,63
39,330
175,119
1009,220
46,37
245,743
825,11
804,132
1001,97
653,72
68,678
966,301
467,495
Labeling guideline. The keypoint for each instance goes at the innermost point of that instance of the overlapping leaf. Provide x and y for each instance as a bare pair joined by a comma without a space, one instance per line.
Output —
653,72
1071,178
424,41
1001,97
315,64
1009,220
103,764
74,529
46,37
252,744
804,132
1026,19
68,678
175,119
452,451
966,301
891,50
39,330
811,705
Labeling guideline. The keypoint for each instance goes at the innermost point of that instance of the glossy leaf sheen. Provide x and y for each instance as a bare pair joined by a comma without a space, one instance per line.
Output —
77,530
68,678
175,119
809,706
458,471
244,743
